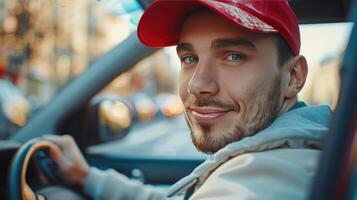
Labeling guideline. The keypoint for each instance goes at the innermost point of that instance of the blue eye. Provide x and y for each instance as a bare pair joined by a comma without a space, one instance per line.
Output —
234,57
189,59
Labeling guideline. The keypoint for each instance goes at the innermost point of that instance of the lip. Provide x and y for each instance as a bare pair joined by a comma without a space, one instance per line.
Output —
208,115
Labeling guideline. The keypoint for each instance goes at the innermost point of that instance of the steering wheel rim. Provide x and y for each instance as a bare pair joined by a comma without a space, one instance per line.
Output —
18,189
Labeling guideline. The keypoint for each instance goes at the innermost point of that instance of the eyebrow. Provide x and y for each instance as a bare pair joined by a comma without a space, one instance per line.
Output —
224,43
184,47
219,44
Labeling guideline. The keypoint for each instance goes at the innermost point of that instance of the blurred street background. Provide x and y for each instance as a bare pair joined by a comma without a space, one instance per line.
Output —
44,44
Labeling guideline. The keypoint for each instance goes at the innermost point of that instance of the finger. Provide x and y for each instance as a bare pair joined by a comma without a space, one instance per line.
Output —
59,158
65,148
55,153
56,150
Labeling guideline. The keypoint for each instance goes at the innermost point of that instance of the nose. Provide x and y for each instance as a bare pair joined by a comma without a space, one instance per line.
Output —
203,81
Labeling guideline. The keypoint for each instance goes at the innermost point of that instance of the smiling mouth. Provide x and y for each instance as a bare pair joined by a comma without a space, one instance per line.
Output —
208,115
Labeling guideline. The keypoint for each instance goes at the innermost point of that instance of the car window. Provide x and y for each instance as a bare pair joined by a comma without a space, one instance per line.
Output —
157,74
324,53
46,44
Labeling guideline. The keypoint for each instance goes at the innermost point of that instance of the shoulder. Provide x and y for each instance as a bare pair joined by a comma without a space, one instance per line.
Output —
282,158
275,174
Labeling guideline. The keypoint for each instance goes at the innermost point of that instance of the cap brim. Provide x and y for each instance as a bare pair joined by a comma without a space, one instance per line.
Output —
161,23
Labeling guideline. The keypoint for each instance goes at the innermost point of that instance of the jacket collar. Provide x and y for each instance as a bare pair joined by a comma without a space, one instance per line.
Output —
301,127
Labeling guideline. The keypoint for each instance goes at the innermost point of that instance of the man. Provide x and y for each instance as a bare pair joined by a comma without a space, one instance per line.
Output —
240,76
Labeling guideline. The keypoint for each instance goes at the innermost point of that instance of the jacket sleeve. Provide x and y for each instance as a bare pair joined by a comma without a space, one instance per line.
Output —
275,174
109,184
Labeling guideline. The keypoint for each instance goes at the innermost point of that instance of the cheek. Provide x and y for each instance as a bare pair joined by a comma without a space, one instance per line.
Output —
184,79
243,84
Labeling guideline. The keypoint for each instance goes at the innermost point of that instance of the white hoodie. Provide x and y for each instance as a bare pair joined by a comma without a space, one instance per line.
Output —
279,162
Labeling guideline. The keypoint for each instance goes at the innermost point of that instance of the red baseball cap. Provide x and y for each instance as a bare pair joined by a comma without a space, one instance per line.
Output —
161,23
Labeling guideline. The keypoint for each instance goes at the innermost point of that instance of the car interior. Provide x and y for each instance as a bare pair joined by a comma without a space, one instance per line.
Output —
160,160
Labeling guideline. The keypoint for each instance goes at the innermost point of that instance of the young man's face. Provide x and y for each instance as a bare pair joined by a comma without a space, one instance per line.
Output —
230,80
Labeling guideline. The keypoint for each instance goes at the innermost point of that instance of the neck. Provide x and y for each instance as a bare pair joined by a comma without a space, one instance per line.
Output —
287,105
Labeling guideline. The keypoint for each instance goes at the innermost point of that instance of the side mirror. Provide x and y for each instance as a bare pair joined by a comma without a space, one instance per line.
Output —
110,118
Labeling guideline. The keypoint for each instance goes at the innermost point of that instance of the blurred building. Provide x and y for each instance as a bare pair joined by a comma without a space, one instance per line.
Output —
323,82
44,44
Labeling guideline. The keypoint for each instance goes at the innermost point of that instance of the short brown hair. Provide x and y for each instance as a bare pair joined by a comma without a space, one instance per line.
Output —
284,51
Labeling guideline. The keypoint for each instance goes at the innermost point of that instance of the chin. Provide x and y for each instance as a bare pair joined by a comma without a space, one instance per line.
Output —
210,141
209,138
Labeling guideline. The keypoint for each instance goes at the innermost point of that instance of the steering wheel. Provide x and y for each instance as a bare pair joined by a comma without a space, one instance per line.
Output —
18,189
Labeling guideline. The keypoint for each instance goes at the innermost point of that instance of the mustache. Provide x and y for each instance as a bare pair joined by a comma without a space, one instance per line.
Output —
211,101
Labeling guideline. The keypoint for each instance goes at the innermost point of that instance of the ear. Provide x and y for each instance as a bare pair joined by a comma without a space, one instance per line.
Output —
297,70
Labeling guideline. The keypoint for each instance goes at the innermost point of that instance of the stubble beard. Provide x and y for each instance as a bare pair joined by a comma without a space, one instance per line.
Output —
260,112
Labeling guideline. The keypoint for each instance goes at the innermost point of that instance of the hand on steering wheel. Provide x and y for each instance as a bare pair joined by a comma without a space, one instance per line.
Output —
71,165
18,189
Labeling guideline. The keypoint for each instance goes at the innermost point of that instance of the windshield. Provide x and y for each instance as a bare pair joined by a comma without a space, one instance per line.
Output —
46,44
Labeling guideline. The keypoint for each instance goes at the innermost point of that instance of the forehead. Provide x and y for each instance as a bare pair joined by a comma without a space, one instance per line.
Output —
205,24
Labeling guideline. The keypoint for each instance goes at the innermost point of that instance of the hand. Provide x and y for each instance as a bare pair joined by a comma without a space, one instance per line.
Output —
72,167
